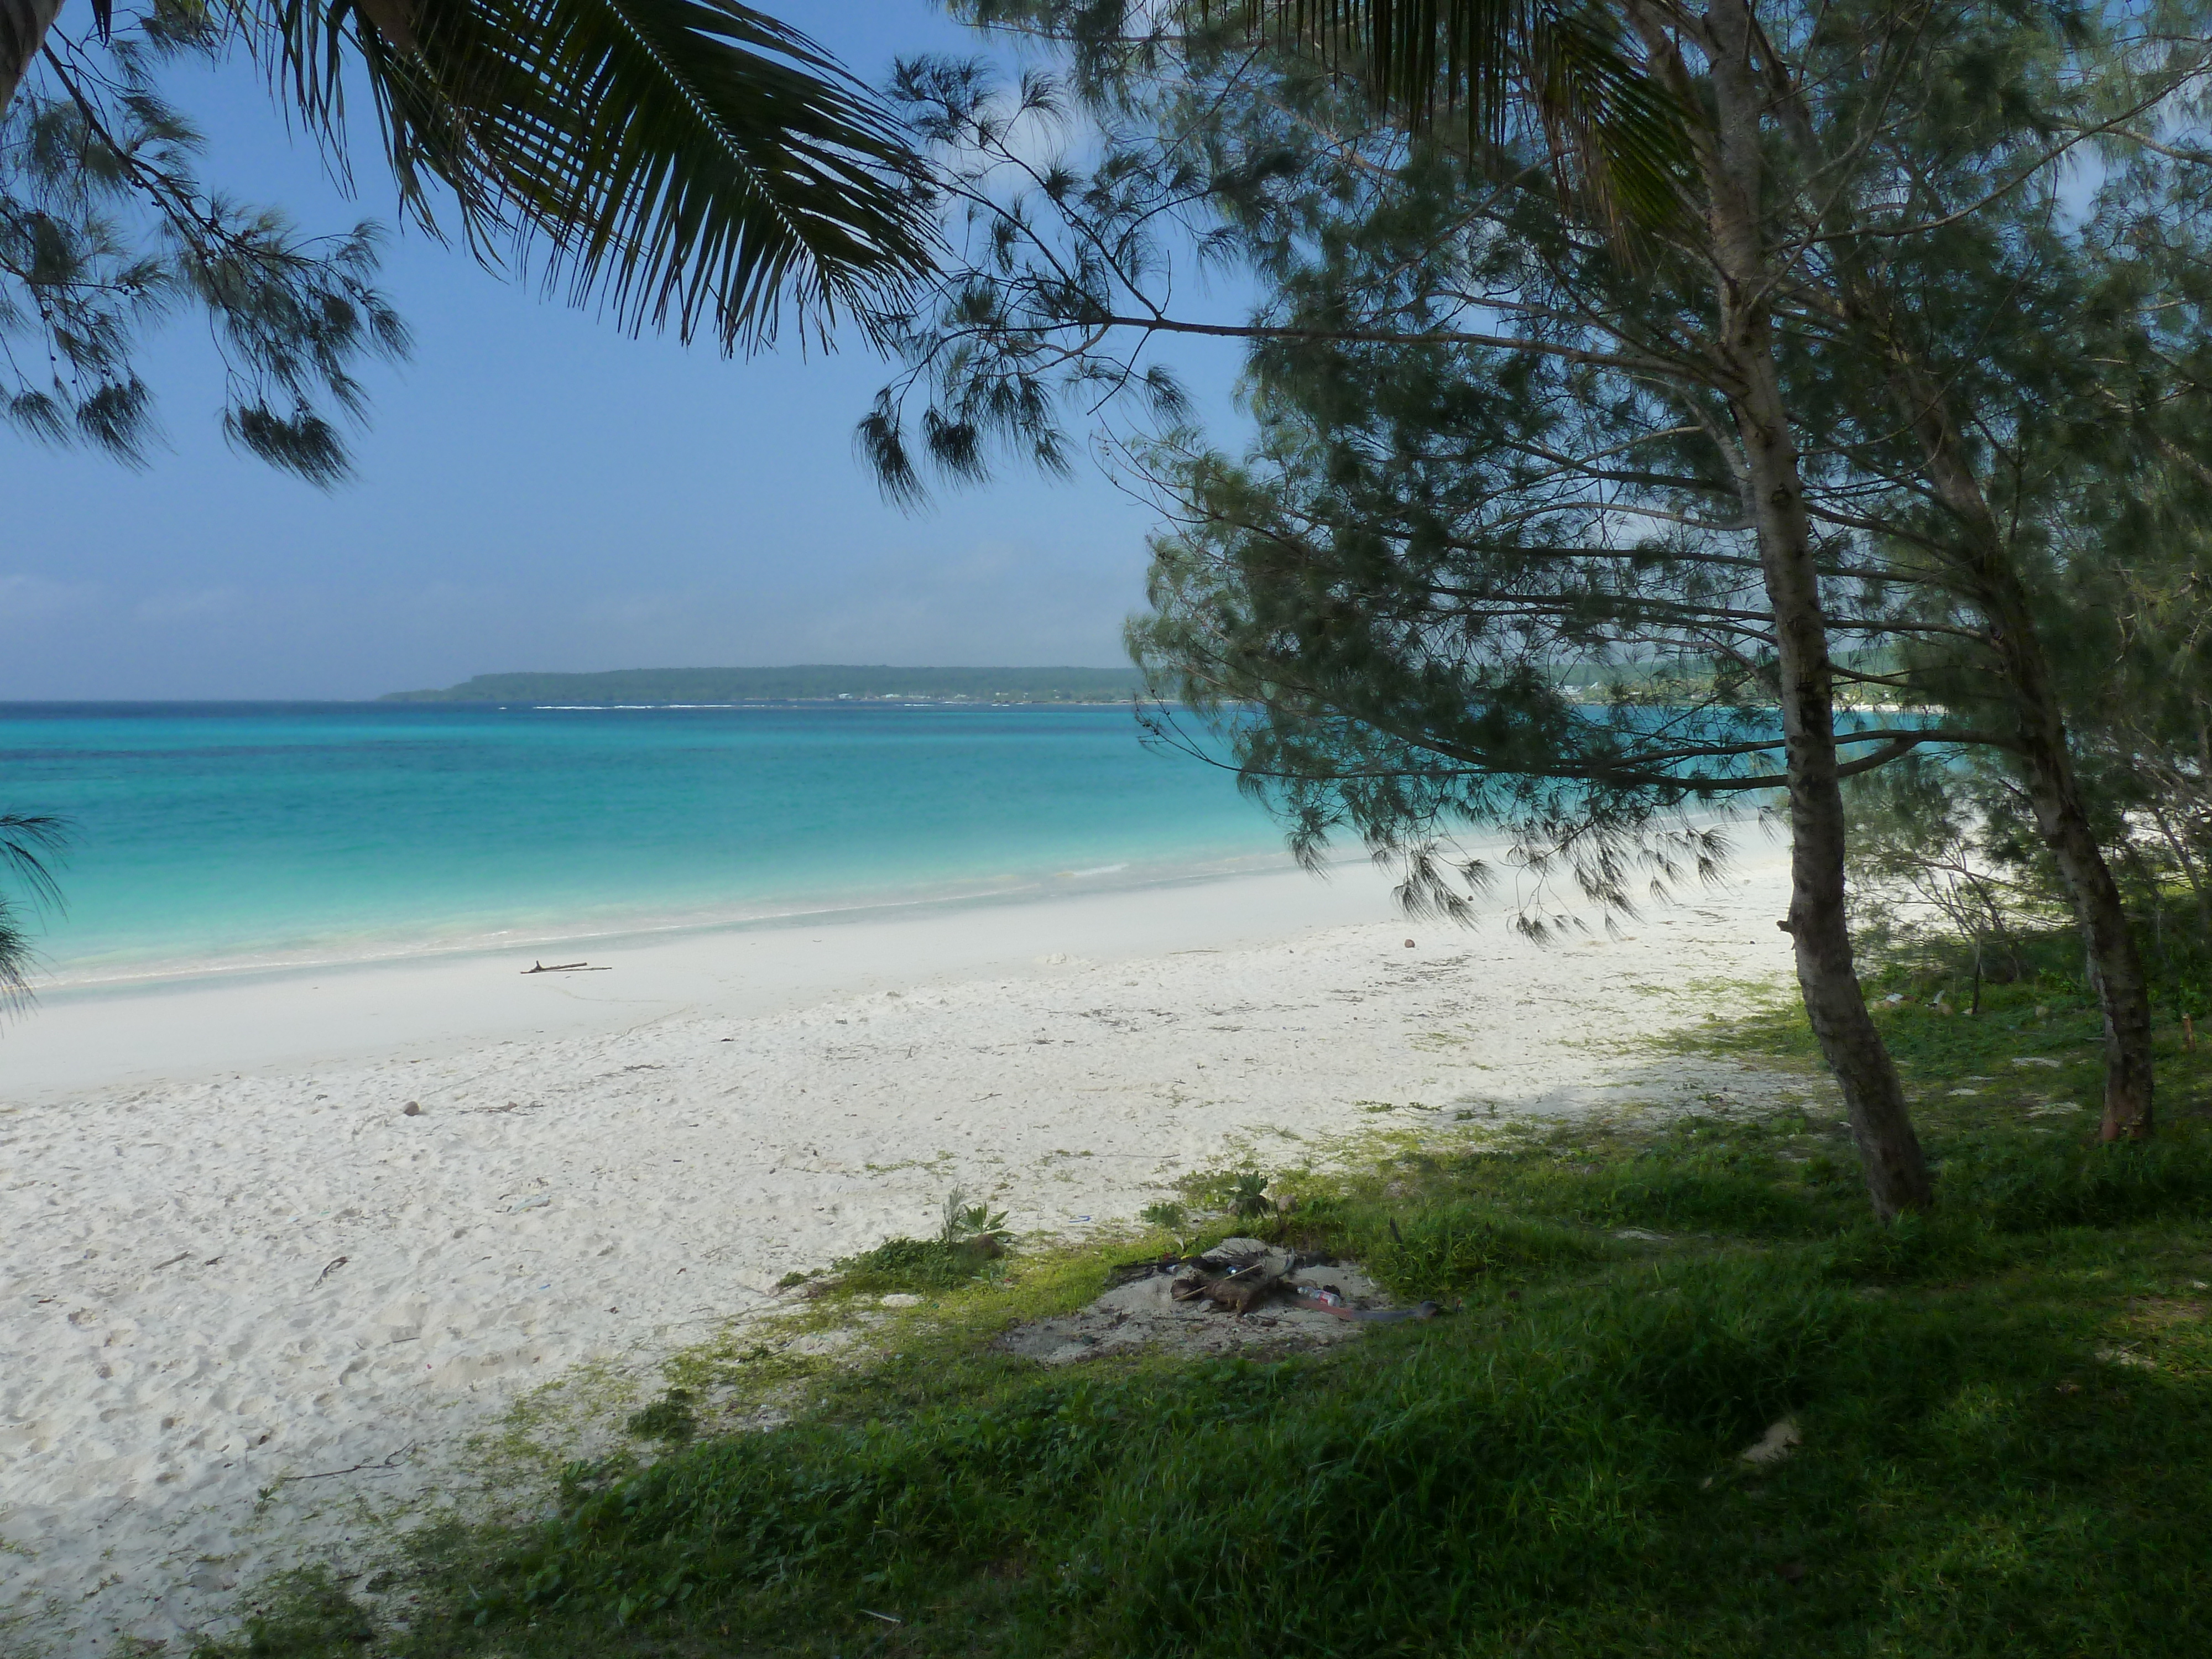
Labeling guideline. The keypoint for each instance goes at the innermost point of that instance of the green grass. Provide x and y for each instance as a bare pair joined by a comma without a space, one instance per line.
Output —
920,1265
670,1418
2006,1412
969,1246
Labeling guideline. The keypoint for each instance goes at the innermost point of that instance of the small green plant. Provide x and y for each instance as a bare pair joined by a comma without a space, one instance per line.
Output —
671,1418
1247,1195
1243,1193
970,1240
963,1220
1164,1214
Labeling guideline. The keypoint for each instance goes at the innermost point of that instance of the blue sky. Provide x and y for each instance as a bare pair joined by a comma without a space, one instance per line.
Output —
537,491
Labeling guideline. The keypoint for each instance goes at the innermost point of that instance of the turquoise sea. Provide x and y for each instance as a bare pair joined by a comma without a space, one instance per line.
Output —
230,835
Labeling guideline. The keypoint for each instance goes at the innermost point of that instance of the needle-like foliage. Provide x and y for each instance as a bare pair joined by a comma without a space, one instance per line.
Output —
27,845
1611,127
687,165
108,231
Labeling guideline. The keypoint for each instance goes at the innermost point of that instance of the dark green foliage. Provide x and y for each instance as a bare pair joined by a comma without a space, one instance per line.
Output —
1467,1222
1551,1471
29,844
671,1418
1556,1474
2006,1413
1234,1192
1730,1177
687,165
1725,1189
1247,1195
1914,1249
1182,1489
1952,893
1445,1249
1494,557
107,230
303,1615
1164,1214
2034,1189
919,1264
969,1242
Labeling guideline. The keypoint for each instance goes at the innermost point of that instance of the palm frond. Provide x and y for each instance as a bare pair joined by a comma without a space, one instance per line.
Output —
28,843
1612,130
1422,57
691,164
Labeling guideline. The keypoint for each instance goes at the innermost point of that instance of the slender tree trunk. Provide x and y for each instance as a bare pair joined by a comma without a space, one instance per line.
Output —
2180,848
23,26
2054,791
2115,968
1896,1172
2123,989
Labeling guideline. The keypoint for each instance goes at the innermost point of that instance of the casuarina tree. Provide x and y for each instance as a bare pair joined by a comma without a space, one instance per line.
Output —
1688,332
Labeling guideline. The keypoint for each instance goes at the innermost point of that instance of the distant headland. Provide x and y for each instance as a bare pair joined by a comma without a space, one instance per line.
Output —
808,683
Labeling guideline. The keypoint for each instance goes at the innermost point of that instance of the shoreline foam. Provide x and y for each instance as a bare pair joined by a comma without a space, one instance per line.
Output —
341,953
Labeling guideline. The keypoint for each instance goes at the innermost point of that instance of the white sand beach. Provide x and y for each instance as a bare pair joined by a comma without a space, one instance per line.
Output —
231,1260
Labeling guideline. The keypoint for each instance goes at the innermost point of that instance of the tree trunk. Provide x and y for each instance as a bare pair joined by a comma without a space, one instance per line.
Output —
2116,965
23,26
1896,1172
1994,585
2115,968
2179,848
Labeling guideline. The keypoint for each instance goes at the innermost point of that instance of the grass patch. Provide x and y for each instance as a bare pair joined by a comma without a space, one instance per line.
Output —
1240,1192
918,1265
305,1614
2005,1410
670,1418
971,1243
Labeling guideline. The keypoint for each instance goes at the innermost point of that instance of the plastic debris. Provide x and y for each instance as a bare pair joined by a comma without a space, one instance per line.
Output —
1777,1443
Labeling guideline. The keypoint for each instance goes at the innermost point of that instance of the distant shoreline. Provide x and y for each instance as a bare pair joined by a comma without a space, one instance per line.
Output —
806,682
885,701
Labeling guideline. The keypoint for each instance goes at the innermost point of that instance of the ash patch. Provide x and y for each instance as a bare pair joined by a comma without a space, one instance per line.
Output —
1159,1310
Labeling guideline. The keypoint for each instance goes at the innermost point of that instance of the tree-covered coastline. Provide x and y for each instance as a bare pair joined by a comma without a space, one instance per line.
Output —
803,683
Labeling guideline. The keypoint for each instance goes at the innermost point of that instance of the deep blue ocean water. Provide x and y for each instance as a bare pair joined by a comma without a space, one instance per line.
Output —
229,833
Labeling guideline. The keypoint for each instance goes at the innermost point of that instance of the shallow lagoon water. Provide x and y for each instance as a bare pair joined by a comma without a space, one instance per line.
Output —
216,835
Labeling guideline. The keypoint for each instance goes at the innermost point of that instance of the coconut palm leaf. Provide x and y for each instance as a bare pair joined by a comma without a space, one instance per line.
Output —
23,25
1611,127
691,164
